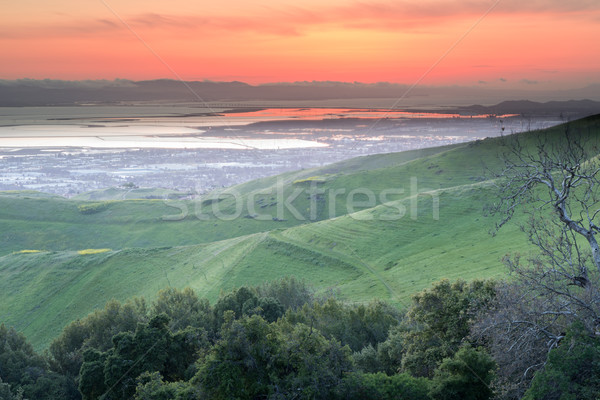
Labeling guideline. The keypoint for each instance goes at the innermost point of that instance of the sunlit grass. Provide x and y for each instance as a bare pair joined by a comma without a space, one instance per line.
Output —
92,251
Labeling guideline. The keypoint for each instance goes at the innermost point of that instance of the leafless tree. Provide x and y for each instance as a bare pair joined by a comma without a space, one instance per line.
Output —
561,173
554,179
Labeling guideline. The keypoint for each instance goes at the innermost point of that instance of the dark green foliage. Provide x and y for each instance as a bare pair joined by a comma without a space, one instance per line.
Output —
386,357
256,344
309,365
151,386
366,360
183,352
379,386
236,301
256,359
19,363
94,331
91,383
247,301
152,348
237,366
466,376
354,325
184,308
572,371
390,352
289,291
132,354
270,308
51,386
24,372
7,394
439,320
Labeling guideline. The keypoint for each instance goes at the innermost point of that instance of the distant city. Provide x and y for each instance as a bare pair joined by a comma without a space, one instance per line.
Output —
68,171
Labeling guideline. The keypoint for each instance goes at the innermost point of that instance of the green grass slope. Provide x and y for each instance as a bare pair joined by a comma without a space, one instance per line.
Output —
52,223
359,255
386,251
122,193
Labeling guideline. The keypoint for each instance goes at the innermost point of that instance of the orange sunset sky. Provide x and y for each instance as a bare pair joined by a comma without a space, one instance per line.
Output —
520,43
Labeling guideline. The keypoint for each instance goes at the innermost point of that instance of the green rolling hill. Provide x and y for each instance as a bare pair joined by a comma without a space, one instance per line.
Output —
296,224
123,193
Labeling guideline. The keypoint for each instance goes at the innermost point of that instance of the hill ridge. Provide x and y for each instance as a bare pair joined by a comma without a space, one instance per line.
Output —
359,254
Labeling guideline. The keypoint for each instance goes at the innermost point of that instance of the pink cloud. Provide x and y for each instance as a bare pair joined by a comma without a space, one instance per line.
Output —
294,21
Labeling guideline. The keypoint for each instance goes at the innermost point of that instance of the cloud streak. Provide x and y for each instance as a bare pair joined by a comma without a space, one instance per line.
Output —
394,16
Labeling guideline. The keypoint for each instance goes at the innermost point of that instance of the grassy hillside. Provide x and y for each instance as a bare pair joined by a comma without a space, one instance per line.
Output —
362,258
123,193
386,251
52,223
44,222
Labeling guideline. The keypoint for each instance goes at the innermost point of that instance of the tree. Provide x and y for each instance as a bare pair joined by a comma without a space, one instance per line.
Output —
151,386
257,359
390,352
438,322
94,331
357,326
19,363
572,370
25,374
379,386
561,172
91,382
515,330
237,366
184,308
289,291
465,376
7,394
309,365
554,179
152,348
246,301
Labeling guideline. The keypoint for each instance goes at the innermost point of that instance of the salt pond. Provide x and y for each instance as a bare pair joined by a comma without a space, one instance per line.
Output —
173,128
136,136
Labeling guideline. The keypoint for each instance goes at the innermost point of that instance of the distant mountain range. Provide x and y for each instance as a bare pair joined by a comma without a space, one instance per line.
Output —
29,92
524,107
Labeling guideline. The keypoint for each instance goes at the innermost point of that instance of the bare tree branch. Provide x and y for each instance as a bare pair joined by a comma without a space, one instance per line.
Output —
554,181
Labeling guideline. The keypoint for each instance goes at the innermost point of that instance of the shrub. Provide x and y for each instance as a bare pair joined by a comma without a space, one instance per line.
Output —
93,208
92,251
312,179
380,386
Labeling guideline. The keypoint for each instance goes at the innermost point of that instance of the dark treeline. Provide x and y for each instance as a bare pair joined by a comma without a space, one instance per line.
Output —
281,341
